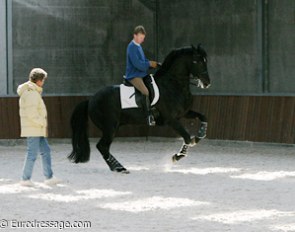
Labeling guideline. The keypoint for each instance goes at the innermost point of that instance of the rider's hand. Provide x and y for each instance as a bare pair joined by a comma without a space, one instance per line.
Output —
153,64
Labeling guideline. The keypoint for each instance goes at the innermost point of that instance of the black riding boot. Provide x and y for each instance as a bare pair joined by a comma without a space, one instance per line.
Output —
147,109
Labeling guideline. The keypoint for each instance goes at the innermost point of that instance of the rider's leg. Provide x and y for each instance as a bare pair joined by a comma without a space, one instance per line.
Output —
147,108
138,83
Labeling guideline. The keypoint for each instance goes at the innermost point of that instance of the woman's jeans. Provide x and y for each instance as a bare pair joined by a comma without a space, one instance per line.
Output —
34,145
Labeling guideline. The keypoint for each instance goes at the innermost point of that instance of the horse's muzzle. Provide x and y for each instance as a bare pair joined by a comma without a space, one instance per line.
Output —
200,83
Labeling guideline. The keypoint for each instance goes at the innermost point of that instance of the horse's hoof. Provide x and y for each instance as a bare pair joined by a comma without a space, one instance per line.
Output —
125,171
202,131
201,136
177,157
121,170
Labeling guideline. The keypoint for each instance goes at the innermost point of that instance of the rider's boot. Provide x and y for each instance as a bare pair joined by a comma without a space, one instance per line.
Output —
147,109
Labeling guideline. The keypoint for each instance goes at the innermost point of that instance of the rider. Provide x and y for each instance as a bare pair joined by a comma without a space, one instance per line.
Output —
137,67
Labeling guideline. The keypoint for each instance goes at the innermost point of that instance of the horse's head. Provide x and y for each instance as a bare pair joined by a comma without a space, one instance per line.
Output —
199,72
187,61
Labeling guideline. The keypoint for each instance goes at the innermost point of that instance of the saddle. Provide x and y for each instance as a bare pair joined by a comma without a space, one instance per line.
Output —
131,97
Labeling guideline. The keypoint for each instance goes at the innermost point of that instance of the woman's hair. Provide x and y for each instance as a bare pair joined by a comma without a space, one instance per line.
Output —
139,29
37,74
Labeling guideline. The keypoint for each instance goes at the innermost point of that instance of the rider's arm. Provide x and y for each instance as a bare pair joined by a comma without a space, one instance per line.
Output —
142,65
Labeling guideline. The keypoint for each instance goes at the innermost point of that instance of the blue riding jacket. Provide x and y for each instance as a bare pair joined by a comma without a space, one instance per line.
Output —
137,64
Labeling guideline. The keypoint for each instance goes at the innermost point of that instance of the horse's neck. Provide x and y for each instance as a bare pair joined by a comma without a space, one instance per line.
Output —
177,76
180,67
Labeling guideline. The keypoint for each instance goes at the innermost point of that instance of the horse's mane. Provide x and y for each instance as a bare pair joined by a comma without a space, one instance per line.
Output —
174,54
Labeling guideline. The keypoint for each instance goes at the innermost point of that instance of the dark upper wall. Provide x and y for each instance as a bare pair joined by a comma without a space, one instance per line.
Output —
3,49
250,43
227,29
281,46
82,43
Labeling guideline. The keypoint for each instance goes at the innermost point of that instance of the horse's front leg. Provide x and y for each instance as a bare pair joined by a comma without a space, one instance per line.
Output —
204,123
188,141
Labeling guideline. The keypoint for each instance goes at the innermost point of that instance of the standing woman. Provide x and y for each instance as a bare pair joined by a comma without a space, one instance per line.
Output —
33,115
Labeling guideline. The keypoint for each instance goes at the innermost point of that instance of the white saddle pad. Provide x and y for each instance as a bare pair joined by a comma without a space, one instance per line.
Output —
127,95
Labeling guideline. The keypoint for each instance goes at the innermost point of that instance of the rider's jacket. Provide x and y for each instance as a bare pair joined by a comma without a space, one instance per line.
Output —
137,64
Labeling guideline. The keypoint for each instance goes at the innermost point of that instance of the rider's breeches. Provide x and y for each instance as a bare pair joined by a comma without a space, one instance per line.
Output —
138,83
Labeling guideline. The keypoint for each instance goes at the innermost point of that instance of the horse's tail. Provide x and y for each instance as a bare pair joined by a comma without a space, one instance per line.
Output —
80,141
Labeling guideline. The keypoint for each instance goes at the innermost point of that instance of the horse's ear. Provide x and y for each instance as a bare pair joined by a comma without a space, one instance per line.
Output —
199,46
193,47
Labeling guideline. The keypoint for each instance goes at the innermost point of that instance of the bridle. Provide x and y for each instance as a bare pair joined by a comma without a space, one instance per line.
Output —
196,79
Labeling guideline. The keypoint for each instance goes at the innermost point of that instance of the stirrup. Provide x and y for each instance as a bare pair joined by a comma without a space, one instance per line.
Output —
151,120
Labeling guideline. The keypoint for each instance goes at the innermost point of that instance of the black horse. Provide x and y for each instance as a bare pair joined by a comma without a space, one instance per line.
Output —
182,67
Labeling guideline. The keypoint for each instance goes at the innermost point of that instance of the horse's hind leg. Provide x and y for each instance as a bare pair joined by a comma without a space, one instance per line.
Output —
104,147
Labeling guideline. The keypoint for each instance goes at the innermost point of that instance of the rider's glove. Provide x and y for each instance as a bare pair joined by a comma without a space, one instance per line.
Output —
153,64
